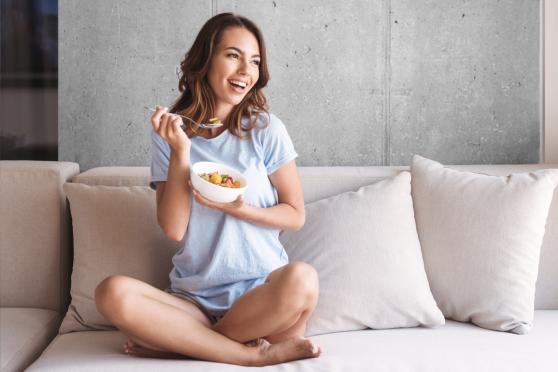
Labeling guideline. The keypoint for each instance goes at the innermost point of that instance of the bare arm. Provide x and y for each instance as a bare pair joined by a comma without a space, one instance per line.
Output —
287,214
174,199
173,196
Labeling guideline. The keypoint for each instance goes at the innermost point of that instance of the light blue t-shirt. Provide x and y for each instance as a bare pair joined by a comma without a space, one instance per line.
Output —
223,257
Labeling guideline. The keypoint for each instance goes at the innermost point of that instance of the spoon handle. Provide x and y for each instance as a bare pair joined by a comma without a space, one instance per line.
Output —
182,116
203,126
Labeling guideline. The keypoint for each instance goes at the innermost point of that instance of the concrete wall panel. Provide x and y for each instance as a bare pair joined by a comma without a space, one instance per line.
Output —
464,81
355,82
327,75
114,58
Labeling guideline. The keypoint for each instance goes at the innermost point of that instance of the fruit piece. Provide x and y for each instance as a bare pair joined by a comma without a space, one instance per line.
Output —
221,179
214,121
215,178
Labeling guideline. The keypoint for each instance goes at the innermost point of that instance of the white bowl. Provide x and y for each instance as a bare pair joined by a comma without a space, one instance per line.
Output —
214,192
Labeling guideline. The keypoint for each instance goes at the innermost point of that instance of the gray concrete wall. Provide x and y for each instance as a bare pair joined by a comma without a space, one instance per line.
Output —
355,82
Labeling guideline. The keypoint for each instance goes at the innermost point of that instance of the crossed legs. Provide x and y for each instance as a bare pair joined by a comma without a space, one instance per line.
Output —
274,313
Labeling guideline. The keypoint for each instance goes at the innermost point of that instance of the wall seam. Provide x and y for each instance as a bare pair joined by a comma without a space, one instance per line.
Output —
387,87
213,7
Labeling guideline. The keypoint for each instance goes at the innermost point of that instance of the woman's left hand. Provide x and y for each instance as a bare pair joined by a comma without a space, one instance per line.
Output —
235,208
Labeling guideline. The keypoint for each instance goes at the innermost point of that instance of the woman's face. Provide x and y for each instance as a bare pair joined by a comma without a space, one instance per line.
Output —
234,68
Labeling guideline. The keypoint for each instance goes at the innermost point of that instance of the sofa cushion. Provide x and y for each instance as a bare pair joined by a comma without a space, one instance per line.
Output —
114,176
115,232
322,182
35,234
365,247
24,334
481,237
456,347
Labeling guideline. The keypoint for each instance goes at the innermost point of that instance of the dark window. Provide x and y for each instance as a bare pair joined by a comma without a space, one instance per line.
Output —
29,79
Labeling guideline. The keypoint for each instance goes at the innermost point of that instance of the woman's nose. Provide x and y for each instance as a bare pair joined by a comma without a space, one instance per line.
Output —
243,67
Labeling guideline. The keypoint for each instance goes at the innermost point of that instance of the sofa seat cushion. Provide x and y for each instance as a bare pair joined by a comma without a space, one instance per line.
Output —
24,334
454,347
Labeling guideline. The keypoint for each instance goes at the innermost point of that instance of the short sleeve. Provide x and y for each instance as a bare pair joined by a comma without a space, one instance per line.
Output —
278,149
160,157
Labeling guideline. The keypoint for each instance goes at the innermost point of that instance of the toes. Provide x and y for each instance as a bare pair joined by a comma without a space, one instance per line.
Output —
315,349
129,345
263,342
312,347
309,345
129,350
256,342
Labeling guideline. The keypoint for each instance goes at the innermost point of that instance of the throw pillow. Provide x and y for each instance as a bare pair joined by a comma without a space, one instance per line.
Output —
481,237
115,232
365,247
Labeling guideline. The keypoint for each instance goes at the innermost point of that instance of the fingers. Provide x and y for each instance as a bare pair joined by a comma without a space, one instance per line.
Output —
200,199
225,207
167,125
175,122
156,117
166,130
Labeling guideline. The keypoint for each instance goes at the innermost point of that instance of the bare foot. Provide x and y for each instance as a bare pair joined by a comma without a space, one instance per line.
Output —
131,348
292,349
255,342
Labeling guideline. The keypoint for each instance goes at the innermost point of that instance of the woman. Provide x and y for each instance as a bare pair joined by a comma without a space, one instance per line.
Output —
234,298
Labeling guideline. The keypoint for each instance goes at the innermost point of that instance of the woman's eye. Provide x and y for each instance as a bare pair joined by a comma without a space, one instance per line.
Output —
233,55
256,62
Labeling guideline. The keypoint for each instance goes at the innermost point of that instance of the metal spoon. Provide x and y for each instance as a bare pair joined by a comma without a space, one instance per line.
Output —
203,126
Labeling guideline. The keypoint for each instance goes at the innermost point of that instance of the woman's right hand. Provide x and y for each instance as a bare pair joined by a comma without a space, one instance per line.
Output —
167,126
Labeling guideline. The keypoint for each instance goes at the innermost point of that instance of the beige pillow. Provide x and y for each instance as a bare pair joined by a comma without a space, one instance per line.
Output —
115,232
365,247
481,237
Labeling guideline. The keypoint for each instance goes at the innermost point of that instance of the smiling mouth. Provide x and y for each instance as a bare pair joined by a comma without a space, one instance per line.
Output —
238,85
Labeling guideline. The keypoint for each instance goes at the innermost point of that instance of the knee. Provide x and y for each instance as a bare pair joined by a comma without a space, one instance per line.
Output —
112,297
300,285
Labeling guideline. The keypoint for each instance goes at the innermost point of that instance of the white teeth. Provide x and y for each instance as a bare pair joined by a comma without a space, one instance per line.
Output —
238,82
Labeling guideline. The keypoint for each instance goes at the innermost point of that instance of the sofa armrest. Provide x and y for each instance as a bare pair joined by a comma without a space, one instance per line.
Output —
35,234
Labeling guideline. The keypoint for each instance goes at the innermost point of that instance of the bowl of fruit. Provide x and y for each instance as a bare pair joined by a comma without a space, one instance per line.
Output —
217,182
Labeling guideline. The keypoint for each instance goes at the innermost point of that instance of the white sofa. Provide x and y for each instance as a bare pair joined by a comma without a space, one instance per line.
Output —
36,261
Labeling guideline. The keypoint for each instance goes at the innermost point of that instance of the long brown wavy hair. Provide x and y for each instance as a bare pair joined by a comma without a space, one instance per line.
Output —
197,100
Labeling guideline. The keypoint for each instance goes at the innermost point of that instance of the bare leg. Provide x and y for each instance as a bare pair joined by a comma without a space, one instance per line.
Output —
134,307
142,348
277,310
